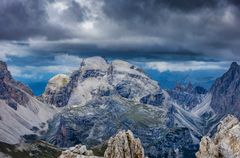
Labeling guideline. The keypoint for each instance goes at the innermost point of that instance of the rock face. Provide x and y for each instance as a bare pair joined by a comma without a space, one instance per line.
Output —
153,99
60,95
20,113
187,96
95,78
124,145
226,93
225,143
79,151
11,90
55,92
221,100
99,119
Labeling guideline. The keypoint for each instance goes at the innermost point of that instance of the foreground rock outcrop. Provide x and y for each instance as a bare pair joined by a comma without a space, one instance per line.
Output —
124,145
79,151
225,143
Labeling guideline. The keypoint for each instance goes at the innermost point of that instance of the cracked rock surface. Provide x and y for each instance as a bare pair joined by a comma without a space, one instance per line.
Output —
225,143
124,145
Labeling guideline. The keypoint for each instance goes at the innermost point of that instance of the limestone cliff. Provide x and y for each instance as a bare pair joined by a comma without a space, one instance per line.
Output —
124,145
225,143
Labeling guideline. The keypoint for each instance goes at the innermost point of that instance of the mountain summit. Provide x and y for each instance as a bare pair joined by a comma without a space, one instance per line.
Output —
226,93
97,77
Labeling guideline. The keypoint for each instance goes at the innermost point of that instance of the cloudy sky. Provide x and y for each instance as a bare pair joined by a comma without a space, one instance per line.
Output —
36,35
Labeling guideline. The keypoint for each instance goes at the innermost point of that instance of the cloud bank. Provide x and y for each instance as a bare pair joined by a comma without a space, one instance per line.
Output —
149,26
187,66
63,63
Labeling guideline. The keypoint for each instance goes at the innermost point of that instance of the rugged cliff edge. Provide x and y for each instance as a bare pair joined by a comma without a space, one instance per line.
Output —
226,93
20,112
122,145
225,143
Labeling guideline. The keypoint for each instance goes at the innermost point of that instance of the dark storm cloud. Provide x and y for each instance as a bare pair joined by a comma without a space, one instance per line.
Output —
148,10
22,19
148,14
151,27
201,26
75,11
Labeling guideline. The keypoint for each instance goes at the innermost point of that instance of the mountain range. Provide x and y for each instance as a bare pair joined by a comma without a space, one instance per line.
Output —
104,97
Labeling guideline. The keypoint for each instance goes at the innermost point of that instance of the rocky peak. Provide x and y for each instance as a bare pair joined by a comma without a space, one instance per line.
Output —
187,96
181,87
12,91
125,67
226,92
189,88
131,82
124,145
234,65
96,78
94,63
58,82
227,78
57,91
225,143
4,73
